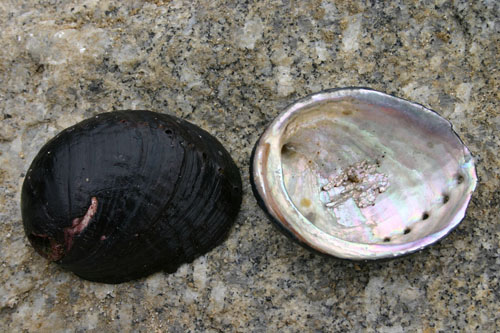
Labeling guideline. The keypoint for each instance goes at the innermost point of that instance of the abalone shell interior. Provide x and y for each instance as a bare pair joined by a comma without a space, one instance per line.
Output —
361,174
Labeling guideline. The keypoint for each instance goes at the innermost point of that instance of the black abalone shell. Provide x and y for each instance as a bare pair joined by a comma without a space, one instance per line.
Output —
128,193
357,174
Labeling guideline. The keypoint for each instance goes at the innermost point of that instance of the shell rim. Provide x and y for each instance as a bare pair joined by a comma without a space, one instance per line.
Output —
336,246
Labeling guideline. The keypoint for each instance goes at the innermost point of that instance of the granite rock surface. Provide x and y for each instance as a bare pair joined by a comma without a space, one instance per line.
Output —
230,67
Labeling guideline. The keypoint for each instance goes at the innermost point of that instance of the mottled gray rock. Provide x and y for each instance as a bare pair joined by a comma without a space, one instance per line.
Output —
230,67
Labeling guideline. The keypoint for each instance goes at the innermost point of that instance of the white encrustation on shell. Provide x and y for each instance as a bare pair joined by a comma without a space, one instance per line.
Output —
359,174
360,182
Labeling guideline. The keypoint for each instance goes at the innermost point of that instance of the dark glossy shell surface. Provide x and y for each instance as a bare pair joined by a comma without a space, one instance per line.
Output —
128,193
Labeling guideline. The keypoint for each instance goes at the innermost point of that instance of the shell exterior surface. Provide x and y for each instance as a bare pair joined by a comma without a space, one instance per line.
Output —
129,193
358,174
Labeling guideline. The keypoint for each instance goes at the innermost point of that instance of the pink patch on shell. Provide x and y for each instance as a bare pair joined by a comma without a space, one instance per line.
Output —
79,224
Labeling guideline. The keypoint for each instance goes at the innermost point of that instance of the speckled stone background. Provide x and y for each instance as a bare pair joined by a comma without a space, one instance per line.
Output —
230,67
